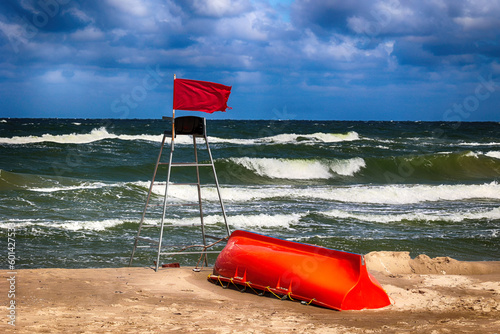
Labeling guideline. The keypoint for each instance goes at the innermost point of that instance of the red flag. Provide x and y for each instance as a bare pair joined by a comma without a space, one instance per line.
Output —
200,95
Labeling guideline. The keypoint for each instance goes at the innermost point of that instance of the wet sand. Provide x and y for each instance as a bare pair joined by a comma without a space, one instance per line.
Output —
438,295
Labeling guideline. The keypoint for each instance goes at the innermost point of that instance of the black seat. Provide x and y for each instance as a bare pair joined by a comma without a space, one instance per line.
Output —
189,125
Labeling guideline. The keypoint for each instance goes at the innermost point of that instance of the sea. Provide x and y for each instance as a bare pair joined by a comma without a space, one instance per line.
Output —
73,191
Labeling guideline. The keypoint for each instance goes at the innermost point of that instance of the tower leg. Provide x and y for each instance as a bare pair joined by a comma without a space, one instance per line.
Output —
218,188
165,198
147,200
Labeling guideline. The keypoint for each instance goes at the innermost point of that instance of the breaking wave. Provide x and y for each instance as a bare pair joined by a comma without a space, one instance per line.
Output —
387,194
102,133
376,194
293,138
300,169
415,216
76,138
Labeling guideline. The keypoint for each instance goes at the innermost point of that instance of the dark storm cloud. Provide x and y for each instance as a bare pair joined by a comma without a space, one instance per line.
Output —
325,16
45,16
315,47
424,32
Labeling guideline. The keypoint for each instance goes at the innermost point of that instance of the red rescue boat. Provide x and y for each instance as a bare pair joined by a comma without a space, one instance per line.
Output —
312,274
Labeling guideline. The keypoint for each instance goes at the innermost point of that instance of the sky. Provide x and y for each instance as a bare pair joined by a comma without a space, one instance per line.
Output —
426,60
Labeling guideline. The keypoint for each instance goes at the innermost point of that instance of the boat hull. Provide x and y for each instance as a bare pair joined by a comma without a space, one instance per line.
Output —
313,274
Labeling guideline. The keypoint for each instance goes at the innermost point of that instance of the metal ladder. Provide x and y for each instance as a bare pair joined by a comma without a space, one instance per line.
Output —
196,127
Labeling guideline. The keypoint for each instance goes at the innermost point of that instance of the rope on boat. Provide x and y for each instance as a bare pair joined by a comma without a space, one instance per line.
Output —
224,287
268,289
257,293
236,286
248,284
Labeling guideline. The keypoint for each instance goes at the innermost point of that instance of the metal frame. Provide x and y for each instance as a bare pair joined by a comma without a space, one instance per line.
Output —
165,200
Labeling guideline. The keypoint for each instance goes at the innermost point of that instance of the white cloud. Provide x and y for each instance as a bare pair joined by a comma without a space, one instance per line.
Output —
134,7
249,26
248,77
89,33
14,32
118,33
83,77
220,8
81,15
134,60
54,77
470,23
333,49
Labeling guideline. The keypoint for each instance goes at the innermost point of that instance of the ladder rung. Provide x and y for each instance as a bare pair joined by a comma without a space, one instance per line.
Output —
148,240
174,225
186,253
174,204
160,183
185,164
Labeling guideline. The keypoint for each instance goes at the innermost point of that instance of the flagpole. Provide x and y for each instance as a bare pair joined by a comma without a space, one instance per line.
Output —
173,115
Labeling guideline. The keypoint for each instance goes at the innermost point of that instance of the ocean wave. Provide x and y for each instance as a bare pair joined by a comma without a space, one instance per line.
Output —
405,194
47,184
385,194
454,217
90,225
84,185
300,169
493,154
479,144
440,166
102,133
77,138
461,167
291,138
236,221
240,221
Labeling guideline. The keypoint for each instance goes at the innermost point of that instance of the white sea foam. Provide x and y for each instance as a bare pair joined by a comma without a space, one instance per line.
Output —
347,167
479,144
300,169
187,193
263,220
74,138
236,221
388,194
472,154
290,138
91,225
240,221
77,138
3,121
493,154
405,194
85,185
416,216
102,134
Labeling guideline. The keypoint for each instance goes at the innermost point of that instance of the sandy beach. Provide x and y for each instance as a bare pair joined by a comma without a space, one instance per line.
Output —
439,295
